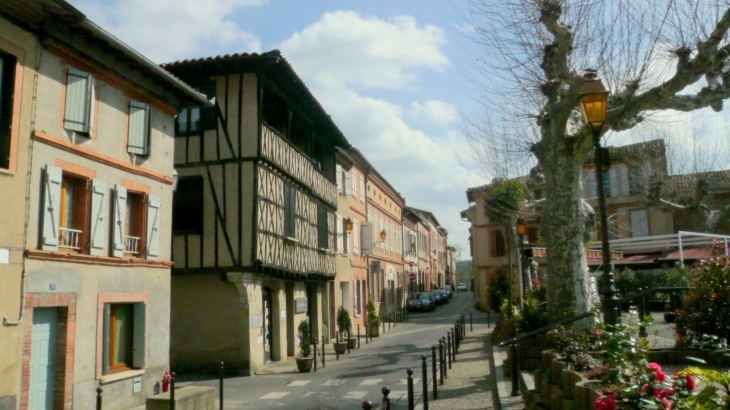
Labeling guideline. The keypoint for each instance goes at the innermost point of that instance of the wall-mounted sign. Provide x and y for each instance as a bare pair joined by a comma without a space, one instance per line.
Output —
282,315
300,305
255,321
389,271
375,266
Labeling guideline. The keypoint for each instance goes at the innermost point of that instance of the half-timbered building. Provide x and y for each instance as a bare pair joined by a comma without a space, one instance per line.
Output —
254,222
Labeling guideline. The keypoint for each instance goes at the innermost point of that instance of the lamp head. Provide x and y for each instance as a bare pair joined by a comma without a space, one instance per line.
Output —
348,224
521,226
593,99
383,234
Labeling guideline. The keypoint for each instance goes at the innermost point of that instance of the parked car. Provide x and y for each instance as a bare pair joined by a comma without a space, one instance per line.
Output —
449,290
461,287
427,301
415,303
444,295
438,296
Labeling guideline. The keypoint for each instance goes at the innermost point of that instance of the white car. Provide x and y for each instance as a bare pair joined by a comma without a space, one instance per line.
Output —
461,287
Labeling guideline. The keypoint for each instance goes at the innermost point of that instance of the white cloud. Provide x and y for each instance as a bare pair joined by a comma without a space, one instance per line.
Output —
434,112
346,48
166,30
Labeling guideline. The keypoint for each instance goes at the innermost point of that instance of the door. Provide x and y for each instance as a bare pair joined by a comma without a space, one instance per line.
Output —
268,325
42,352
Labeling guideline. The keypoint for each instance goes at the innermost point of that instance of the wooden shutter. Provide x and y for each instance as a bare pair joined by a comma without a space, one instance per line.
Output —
153,227
367,238
362,188
355,237
340,247
118,219
338,177
321,227
76,110
106,339
139,336
98,216
348,183
138,128
51,208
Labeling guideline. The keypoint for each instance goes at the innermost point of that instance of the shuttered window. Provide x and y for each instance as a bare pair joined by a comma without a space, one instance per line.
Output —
77,104
290,196
98,217
340,183
7,90
355,237
138,133
322,234
362,188
153,226
125,331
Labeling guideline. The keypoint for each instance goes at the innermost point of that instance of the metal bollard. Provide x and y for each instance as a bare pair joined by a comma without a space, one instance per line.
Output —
367,326
471,322
383,326
323,351
411,402
358,335
220,382
386,401
446,373
515,381
448,347
424,377
349,336
98,398
441,362
456,330
433,371
172,390
337,342
463,325
367,405
453,347
390,319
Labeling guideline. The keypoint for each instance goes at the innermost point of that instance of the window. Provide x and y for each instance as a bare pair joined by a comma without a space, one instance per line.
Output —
7,91
124,337
639,223
340,180
498,245
637,180
362,188
195,120
607,183
77,110
73,213
345,295
290,196
139,128
187,206
134,223
357,293
355,237
322,234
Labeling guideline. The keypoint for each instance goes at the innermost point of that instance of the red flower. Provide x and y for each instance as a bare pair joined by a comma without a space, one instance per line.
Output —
596,332
654,366
690,382
644,388
608,404
659,376
667,404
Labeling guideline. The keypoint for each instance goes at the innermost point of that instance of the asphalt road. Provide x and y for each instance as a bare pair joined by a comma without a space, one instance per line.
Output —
346,383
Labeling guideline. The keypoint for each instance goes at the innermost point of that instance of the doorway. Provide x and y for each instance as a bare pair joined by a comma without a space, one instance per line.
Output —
43,350
268,324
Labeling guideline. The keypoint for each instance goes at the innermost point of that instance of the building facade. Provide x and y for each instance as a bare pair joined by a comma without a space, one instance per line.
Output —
255,234
94,282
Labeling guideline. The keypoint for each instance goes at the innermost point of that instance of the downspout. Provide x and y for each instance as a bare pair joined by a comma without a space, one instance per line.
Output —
26,218
367,206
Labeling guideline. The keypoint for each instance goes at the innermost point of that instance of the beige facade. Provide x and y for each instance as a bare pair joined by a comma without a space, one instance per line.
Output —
95,279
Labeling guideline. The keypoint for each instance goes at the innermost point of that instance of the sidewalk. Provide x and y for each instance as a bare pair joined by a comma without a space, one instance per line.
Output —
471,382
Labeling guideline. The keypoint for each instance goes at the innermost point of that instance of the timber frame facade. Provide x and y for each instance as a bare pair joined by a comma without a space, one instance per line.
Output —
254,215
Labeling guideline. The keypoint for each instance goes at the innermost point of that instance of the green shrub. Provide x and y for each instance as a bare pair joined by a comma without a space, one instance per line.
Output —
707,303
370,307
498,287
533,316
304,339
344,323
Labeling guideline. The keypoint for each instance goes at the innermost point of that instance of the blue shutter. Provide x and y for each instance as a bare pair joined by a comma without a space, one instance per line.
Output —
118,219
138,128
98,213
76,114
51,207
153,227
139,336
106,341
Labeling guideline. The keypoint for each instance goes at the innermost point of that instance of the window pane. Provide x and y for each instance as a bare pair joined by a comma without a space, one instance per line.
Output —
68,194
121,337
194,119
187,205
182,121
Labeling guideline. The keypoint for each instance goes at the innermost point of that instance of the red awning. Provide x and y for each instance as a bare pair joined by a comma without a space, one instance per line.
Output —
636,259
594,261
695,253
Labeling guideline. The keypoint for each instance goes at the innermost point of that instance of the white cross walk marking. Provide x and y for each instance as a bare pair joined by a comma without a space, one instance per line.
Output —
371,382
405,381
309,394
396,395
355,395
334,382
274,395
298,383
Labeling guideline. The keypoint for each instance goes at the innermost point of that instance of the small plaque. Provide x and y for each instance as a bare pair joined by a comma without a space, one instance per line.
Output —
52,286
137,385
255,321
282,315
4,255
300,305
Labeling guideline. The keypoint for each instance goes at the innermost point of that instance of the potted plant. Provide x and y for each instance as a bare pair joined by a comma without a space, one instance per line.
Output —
344,324
304,361
372,317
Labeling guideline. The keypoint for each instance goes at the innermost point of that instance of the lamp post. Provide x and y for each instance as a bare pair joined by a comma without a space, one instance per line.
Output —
521,229
593,102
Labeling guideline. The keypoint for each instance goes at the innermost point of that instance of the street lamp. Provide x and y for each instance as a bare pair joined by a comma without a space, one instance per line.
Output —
521,230
593,103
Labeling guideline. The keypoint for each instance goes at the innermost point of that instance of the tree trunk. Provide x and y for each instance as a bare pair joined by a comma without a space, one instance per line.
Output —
563,226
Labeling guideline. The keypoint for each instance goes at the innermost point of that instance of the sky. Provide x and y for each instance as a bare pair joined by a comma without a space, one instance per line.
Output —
392,74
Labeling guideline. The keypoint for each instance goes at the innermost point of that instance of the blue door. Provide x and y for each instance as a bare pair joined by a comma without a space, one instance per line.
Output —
42,351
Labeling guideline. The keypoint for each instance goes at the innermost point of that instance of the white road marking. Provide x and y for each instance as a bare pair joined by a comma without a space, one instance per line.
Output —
274,395
298,383
334,382
397,395
371,382
355,395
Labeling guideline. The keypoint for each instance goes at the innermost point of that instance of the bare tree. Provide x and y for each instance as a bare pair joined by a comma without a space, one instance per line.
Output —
655,56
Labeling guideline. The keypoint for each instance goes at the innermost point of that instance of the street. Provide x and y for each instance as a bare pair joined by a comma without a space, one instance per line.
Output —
359,376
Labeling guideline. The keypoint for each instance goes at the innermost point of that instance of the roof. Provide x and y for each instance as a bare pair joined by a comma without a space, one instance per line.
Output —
274,67
427,215
58,22
357,154
718,181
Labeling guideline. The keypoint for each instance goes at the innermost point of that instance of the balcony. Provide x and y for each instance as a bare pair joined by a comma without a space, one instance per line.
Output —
278,150
131,245
69,238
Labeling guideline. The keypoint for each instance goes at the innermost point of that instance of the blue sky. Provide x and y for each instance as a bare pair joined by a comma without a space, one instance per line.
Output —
393,74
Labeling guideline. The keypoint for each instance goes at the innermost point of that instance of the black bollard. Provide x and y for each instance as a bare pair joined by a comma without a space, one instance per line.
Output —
348,341
322,350
367,326
220,383
424,377
366,405
448,347
515,380
456,331
471,322
446,373
386,401
172,391
411,402
441,362
433,371
463,326
390,320
358,336
455,348
337,342
98,398
383,326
